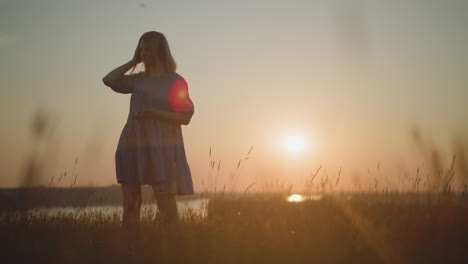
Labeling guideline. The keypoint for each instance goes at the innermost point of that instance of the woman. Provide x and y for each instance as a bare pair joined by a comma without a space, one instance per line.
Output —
151,148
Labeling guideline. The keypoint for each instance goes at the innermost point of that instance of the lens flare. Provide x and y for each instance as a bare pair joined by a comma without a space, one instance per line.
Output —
179,96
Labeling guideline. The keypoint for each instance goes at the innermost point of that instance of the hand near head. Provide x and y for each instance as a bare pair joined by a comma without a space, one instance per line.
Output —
136,56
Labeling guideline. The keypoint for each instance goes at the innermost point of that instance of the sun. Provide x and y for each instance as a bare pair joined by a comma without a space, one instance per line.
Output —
294,143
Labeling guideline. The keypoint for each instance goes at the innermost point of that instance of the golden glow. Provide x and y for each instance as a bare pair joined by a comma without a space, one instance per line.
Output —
294,143
295,198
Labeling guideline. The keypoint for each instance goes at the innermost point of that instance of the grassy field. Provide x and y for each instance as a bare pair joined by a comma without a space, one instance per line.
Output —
359,228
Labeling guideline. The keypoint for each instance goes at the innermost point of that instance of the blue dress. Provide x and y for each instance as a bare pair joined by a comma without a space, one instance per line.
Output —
152,151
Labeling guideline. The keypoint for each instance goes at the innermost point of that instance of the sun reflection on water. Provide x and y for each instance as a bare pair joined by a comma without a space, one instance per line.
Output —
295,198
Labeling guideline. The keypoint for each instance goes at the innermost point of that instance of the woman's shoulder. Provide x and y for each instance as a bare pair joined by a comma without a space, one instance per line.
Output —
170,77
178,79
176,75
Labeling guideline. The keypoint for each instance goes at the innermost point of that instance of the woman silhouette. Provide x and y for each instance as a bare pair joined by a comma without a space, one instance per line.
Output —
151,148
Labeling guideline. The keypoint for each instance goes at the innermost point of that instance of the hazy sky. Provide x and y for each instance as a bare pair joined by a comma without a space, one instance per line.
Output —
349,77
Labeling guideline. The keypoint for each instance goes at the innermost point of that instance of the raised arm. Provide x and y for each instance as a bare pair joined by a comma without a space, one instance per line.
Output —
117,74
115,78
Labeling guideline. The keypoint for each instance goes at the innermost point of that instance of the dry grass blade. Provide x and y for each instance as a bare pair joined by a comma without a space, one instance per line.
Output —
447,184
250,150
338,179
248,187
316,173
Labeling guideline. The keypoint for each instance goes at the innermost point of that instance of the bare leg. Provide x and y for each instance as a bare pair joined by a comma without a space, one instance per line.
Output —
131,194
167,207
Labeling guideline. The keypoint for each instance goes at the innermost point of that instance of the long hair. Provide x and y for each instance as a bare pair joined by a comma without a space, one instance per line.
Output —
161,60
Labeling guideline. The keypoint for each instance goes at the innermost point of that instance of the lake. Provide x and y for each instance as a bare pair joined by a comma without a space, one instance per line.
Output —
195,206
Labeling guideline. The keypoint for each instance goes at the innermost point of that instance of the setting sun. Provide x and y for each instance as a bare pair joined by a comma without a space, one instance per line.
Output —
294,143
